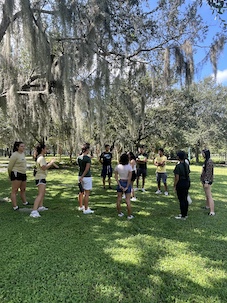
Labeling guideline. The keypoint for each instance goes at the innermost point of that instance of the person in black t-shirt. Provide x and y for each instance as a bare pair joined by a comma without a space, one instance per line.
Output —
106,158
141,160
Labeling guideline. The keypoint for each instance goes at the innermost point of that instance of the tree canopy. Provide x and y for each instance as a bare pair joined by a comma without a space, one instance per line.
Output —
82,70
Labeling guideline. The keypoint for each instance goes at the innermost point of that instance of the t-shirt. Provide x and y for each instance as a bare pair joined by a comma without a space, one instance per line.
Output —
40,162
160,169
123,171
106,157
182,169
82,161
142,157
17,162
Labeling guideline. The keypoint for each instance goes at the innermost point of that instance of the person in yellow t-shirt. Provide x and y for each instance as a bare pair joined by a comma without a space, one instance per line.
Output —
17,173
160,163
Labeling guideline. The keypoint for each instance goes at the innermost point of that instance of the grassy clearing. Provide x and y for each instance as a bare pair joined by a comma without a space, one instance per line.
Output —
65,256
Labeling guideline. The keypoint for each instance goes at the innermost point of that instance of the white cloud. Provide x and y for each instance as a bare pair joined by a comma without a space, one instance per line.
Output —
222,76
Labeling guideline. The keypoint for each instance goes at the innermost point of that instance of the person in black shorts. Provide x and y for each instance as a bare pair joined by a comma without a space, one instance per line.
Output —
141,160
17,173
106,158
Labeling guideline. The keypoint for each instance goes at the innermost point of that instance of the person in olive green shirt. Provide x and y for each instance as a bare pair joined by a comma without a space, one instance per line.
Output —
17,173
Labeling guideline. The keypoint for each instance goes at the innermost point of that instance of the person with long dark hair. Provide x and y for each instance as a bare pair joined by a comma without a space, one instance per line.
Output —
40,179
207,178
84,179
132,161
17,173
123,175
182,184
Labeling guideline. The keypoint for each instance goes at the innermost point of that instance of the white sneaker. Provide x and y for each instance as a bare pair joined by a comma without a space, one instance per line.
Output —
42,208
120,215
166,193
123,196
133,199
135,189
211,214
158,191
143,190
179,217
130,217
35,214
88,211
81,208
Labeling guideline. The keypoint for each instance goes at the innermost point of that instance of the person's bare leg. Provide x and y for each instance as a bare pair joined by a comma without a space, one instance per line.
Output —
22,191
15,185
86,198
119,198
39,199
209,197
127,200
80,199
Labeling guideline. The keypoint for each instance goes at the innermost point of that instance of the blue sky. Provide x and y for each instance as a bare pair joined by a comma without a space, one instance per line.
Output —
213,20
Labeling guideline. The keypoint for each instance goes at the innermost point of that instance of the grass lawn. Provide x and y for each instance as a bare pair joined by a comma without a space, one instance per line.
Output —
66,256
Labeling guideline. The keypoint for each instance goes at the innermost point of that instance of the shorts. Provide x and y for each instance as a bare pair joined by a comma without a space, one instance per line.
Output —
133,176
107,171
161,176
86,183
40,181
17,176
124,184
142,171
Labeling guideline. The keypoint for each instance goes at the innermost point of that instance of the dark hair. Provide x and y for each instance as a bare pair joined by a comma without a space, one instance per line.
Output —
106,145
16,145
85,147
131,156
181,155
124,159
206,153
39,149
161,149
207,157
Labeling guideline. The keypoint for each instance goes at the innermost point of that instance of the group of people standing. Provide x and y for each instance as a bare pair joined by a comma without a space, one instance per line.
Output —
129,169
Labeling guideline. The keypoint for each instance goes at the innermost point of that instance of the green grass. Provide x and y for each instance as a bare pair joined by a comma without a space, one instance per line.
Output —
65,256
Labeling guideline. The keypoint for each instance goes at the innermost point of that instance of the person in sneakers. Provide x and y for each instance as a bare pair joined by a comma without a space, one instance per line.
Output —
182,184
123,176
132,161
207,178
85,179
160,163
40,179
105,159
141,160
17,173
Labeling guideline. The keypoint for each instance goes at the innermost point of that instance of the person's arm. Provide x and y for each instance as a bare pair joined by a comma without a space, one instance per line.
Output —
101,159
87,167
48,165
11,164
176,180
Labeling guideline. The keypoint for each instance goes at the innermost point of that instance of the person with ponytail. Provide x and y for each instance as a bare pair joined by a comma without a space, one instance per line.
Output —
207,178
182,184
40,179
17,173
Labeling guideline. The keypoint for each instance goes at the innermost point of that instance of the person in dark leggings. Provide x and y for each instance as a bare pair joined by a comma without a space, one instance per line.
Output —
182,184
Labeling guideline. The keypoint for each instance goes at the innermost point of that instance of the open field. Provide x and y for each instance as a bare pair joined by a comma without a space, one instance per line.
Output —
66,256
